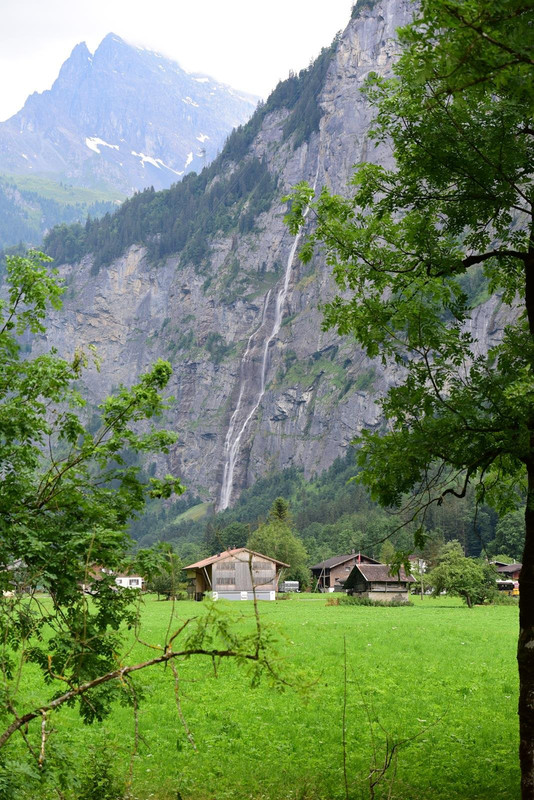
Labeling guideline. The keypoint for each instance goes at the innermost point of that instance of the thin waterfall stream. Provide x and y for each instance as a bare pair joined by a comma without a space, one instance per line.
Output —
234,434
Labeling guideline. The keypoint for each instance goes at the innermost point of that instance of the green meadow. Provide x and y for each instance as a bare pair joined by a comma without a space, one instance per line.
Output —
436,682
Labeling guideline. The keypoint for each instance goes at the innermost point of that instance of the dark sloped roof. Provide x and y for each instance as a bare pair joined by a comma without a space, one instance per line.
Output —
509,568
227,553
380,572
336,560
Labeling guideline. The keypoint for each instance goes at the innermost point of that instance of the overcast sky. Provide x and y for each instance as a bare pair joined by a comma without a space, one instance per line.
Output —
249,44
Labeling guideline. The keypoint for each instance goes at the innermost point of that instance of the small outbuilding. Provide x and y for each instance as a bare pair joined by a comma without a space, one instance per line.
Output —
376,582
235,575
332,573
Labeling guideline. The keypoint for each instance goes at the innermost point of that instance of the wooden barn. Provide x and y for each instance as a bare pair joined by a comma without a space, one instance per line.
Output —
232,574
332,573
376,582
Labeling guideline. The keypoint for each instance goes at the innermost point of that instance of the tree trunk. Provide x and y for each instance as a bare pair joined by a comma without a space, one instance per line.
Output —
525,648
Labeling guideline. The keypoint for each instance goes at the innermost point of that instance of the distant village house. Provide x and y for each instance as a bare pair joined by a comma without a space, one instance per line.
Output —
232,574
129,581
508,571
122,579
376,582
332,573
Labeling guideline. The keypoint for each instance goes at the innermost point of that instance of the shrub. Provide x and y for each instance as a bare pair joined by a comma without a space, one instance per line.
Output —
98,781
354,600
499,599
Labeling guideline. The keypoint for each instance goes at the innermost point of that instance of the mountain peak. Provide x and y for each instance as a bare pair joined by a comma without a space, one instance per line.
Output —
80,49
125,116
111,43
78,61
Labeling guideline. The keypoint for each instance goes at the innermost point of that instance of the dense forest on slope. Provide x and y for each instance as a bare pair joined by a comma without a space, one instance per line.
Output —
331,513
229,194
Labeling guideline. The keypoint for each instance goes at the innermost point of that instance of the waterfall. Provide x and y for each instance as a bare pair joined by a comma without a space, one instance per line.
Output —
234,434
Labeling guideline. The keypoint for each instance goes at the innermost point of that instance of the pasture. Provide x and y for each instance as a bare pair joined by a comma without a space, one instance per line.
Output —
437,674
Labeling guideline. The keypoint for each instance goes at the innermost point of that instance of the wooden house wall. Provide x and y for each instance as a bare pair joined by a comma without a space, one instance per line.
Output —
387,586
329,577
341,572
233,574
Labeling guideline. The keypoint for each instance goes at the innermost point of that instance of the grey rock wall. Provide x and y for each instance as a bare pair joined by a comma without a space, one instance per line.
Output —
319,390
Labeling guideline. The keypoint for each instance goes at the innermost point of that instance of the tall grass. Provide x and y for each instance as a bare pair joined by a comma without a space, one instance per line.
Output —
437,674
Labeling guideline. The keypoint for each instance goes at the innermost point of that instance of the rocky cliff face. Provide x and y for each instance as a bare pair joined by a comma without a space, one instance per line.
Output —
257,384
124,118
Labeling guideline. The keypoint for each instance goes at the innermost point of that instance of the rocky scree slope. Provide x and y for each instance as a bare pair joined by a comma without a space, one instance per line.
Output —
258,385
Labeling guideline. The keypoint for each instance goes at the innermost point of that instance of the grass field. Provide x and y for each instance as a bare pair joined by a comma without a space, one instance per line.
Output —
194,513
435,669
63,193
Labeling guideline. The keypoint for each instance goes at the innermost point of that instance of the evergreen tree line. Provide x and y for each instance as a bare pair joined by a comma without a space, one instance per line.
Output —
331,515
177,220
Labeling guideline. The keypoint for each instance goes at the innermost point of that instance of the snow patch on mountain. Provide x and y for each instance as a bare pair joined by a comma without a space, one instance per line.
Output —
156,162
147,159
93,143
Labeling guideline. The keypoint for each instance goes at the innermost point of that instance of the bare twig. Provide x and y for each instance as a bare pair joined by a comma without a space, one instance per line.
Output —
44,736
179,705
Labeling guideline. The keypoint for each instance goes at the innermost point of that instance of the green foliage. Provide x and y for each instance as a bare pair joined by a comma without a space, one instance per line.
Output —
332,513
276,539
509,536
280,511
65,497
299,94
98,780
163,568
387,552
304,91
463,577
177,220
501,599
354,600
217,347
218,538
365,380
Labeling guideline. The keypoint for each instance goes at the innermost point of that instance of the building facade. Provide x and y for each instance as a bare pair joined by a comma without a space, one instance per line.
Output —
376,582
332,573
235,574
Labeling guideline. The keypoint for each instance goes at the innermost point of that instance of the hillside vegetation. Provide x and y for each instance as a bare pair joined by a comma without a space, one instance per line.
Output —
30,205
331,513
